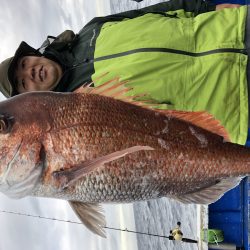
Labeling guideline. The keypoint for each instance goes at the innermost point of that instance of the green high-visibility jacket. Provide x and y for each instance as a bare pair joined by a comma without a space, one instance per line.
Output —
180,59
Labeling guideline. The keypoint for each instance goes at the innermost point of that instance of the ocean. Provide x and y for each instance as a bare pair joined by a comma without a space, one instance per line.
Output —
159,217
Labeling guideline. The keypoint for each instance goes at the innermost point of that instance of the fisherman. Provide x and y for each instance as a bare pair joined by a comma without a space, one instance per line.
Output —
183,54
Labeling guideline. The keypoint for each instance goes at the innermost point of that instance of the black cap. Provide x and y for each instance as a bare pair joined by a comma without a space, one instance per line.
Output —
23,50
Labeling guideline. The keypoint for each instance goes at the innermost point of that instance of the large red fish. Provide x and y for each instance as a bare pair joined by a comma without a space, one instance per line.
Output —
89,148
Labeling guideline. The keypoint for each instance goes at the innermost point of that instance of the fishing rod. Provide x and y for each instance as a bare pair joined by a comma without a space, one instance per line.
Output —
150,234
135,232
106,227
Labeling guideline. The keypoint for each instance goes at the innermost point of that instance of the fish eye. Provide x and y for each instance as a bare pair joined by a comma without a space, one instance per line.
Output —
5,124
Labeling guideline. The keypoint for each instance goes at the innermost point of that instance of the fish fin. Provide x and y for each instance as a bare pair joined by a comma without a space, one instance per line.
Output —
116,89
87,86
91,215
67,177
210,194
201,119
87,89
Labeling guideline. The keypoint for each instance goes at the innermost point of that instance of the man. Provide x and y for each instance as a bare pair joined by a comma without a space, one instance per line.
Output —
183,54
33,73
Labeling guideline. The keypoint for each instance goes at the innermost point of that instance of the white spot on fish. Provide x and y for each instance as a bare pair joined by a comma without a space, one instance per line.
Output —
105,134
145,181
163,143
61,108
189,162
181,156
165,130
157,133
201,138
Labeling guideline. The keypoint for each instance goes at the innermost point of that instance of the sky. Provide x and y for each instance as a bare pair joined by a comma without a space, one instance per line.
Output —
32,21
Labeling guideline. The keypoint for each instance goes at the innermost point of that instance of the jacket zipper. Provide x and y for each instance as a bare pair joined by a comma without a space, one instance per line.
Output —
173,51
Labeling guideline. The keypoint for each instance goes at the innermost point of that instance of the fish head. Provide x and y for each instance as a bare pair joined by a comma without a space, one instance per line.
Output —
22,127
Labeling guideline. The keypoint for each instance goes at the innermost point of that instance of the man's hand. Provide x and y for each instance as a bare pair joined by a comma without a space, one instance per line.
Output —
227,5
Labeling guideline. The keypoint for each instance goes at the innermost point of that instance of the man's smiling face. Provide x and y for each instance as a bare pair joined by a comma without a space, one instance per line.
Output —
35,73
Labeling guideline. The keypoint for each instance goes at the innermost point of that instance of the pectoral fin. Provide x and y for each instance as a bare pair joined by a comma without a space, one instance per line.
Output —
91,215
65,178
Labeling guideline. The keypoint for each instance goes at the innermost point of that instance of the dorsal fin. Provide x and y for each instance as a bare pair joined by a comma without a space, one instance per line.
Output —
116,89
201,119
113,88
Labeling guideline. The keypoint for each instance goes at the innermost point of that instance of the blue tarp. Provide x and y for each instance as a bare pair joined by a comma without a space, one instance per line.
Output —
230,213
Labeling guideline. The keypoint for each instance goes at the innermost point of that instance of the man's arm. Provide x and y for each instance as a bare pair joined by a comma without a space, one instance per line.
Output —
194,6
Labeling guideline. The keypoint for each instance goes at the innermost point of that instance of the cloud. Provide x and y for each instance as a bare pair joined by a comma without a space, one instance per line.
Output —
24,232
32,21
102,7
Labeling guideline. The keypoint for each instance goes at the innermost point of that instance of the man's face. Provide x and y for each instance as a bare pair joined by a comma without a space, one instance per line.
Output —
35,73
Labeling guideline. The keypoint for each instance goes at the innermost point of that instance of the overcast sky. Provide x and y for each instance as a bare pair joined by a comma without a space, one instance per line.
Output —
32,21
